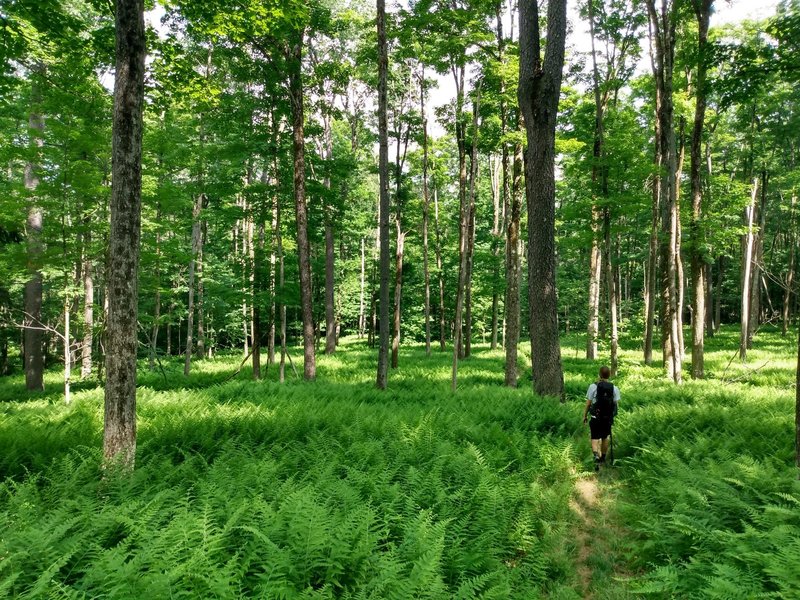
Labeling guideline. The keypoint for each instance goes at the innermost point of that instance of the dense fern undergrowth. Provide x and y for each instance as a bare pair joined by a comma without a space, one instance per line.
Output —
334,490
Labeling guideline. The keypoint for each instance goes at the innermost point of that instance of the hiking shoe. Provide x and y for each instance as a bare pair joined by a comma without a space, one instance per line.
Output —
596,463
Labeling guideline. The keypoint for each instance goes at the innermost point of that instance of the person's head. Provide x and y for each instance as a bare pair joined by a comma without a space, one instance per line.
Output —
605,372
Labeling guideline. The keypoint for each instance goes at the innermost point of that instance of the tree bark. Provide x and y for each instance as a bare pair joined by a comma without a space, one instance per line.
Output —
34,359
301,210
789,282
361,314
425,213
438,251
383,212
758,260
473,182
702,10
747,262
663,29
612,292
187,361
119,433
88,308
330,250
513,273
539,90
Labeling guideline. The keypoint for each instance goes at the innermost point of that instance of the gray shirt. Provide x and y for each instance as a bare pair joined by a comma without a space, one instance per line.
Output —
591,394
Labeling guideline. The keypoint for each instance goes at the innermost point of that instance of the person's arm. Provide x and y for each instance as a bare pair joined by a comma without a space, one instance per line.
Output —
591,393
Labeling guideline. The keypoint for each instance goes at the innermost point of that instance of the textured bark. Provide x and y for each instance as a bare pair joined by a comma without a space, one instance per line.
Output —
258,271
119,433
702,10
426,203
190,308
398,290
330,251
34,359
613,289
663,33
88,309
383,212
438,251
361,314
538,92
201,317
747,263
758,261
513,273
301,210
473,182
790,272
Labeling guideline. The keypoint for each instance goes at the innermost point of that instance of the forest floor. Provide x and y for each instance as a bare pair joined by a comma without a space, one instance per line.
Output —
334,490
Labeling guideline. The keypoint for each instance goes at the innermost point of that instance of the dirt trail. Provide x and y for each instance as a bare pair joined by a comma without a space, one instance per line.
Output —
583,505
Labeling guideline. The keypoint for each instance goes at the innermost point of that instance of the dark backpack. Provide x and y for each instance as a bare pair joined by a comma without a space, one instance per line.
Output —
604,401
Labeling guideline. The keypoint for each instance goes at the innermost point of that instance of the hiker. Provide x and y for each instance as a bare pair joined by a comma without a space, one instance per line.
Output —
602,399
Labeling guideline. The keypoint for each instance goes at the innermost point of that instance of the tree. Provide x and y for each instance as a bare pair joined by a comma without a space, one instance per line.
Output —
383,212
119,434
539,90
702,9
663,24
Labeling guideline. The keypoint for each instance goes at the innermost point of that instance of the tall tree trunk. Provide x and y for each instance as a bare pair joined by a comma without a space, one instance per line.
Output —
438,251
187,361
663,28
513,273
34,359
789,282
473,182
303,249
426,203
718,294
258,280
702,9
88,307
539,90
330,250
611,284
383,212
595,256
398,289
758,261
201,320
119,432
361,314
747,263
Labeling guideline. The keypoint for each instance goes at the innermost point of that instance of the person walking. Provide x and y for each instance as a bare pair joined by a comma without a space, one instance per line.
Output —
602,401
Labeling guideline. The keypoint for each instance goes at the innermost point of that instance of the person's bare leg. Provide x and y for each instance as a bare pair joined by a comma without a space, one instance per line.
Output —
604,447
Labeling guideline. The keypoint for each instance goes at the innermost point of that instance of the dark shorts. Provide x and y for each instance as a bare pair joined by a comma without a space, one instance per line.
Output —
600,428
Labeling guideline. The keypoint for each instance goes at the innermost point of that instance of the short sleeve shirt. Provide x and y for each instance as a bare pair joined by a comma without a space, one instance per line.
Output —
591,394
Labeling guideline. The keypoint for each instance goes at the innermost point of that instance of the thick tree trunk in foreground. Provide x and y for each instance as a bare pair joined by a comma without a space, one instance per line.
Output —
119,433
539,89
34,360
702,10
383,213
301,210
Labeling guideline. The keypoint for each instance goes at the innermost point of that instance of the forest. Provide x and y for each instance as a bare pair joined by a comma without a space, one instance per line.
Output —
302,298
